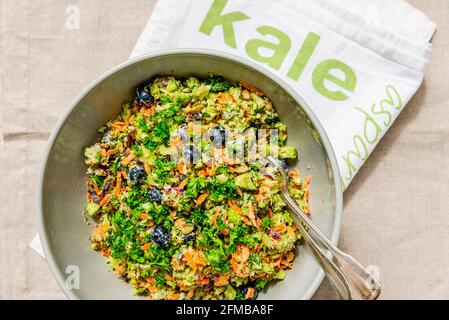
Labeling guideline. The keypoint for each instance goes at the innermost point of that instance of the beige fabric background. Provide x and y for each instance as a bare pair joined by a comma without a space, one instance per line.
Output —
396,213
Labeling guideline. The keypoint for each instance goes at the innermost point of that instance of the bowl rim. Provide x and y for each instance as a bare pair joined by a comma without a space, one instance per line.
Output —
39,213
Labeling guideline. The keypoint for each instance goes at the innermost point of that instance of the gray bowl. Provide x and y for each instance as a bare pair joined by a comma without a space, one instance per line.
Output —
62,189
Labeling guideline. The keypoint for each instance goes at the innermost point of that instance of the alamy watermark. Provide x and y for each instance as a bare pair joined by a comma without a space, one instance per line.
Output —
72,281
72,17
192,144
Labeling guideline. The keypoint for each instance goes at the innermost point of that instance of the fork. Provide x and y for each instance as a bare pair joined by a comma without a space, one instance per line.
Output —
350,279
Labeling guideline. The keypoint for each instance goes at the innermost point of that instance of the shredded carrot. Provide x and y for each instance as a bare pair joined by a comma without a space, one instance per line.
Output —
307,182
112,151
293,174
128,159
234,206
215,216
120,123
277,261
118,186
120,269
196,127
143,216
239,258
222,280
181,167
106,200
176,141
291,231
101,229
152,289
152,110
244,107
180,223
251,88
281,228
94,184
119,126
201,199
174,296
194,259
146,246
251,215
168,278
180,284
245,220
106,252
202,280
266,184
239,191
190,293
183,184
197,108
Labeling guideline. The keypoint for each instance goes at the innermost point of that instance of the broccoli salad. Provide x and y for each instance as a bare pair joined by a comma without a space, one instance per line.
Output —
182,205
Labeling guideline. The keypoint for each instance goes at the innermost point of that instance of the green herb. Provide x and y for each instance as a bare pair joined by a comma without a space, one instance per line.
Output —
159,135
137,150
116,163
159,279
134,197
218,84
221,191
198,216
261,284
142,124
123,239
195,186
266,223
98,180
162,168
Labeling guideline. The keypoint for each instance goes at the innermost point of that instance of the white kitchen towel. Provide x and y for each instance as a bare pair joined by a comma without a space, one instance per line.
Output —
357,63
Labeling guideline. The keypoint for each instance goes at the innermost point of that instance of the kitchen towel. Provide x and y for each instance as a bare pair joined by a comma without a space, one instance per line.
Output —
356,63
356,67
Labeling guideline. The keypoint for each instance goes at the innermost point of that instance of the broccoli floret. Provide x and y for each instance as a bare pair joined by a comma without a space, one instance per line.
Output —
92,209
93,154
244,181
288,152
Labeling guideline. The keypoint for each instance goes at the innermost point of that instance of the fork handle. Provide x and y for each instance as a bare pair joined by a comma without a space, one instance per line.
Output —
332,272
357,279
